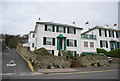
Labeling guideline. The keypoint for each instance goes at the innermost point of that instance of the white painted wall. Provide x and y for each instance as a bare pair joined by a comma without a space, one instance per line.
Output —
40,33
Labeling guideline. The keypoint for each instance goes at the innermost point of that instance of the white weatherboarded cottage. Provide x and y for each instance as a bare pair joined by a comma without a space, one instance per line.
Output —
100,37
55,37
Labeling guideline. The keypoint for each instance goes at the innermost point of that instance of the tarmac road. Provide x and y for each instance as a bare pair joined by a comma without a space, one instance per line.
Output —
111,74
21,65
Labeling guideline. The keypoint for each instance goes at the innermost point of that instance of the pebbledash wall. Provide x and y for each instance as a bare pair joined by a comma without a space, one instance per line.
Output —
56,36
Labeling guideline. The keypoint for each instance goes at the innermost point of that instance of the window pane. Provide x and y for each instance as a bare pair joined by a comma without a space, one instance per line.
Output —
91,44
49,41
71,42
71,30
85,44
49,28
61,29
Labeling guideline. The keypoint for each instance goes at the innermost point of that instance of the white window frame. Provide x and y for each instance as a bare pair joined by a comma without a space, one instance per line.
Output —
49,28
71,42
61,29
103,33
71,30
48,41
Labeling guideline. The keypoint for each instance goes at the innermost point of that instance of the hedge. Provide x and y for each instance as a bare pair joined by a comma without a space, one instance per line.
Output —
41,51
111,53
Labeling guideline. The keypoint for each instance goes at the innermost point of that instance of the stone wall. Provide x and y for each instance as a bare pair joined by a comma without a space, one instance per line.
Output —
89,60
43,61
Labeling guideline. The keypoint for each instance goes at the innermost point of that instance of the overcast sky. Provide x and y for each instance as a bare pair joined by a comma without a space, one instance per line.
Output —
20,17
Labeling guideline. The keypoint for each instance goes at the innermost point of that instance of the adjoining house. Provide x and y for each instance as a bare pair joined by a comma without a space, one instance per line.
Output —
100,37
55,37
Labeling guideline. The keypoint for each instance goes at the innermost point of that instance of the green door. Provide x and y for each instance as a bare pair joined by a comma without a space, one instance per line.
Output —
60,42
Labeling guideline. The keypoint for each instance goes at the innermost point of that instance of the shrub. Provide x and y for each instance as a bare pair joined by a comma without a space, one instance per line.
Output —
41,51
114,53
111,53
49,67
99,50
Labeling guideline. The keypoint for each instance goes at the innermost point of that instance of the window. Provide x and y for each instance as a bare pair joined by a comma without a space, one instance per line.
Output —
85,44
91,44
71,42
51,51
71,30
32,44
102,33
61,29
48,41
49,28
111,33
103,44
33,35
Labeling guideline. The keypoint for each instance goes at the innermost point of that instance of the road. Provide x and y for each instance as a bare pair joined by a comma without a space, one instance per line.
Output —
21,65
113,74
22,71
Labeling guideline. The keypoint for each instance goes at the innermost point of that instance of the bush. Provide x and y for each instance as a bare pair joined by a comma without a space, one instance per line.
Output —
41,51
99,50
49,67
111,53
114,53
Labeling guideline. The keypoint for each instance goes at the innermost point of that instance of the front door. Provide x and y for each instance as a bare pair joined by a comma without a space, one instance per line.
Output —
60,41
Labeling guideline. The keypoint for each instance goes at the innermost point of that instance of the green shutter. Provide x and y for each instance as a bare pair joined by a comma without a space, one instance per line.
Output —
53,41
53,52
116,34
74,31
105,33
57,29
64,29
75,41
106,44
109,34
101,43
44,40
67,42
99,32
53,28
75,53
45,27
67,30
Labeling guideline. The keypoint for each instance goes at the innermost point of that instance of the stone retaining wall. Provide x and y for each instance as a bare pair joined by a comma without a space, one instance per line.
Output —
43,61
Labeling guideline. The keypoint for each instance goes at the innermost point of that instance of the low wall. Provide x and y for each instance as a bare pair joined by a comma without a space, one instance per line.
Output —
89,60
43,61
